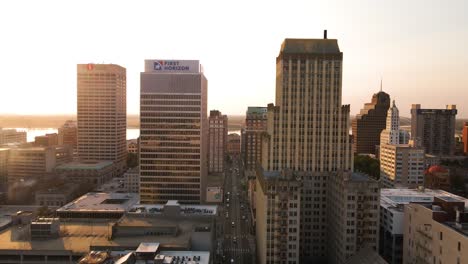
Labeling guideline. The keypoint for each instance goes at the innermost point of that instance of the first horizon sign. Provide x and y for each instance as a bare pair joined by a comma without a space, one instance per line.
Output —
168,66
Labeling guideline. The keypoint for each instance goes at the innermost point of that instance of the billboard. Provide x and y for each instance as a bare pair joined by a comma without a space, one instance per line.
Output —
214,195
172,66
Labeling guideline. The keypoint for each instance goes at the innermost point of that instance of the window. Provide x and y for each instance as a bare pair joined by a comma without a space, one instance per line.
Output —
441,236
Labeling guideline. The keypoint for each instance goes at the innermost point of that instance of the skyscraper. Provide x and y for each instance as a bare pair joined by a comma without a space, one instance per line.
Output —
102,114
255,125
434,128
173,131
369,123
307,137
392,134
217,144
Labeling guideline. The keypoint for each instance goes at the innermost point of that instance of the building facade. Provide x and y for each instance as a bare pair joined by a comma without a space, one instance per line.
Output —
48,140
11,136
392,134
173,132
92,173
102,114
35,163
233,144
68,134
217,143
307,132
465,138
401,165
4,152
369,123
353,201
255,126
436,232
437,177
435,129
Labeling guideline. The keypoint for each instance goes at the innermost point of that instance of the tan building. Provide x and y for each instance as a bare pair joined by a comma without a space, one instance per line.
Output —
68,134
401,165
173,132
278,217
4,152
354,202
369,123
132,146
434,128
217,143
35,163
48,140
436,232
465,138
308,133
255,126
233,144
11,136
102,114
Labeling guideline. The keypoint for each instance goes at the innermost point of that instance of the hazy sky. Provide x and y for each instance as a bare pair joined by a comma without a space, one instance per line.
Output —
418,47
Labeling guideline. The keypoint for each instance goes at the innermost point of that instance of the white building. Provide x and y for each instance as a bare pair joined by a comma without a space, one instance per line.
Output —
392,134
173,132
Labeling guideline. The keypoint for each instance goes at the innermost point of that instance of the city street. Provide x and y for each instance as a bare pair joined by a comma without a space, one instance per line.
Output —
238,242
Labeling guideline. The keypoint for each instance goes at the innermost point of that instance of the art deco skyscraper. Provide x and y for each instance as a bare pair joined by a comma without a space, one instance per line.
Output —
173,132
102,113
307,138
369,123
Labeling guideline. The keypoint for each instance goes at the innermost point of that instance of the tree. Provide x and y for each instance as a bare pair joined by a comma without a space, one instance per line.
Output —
367,165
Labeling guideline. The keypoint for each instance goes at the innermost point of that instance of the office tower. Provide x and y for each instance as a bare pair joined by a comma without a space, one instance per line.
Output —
436,232
48,140
434,128
307,132
465,138
173,131
4,152
36,163
401,165
102,114
217,144
392,204
68,134
353,205
369,123
255,125
11,136
392,134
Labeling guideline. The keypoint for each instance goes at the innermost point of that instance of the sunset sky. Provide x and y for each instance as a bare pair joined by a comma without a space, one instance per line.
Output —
419,47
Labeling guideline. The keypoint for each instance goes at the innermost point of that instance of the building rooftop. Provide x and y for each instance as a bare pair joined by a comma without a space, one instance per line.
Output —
185,210
358,176
391,198
256,110
102,201
147,248
313,46
85,165
184,257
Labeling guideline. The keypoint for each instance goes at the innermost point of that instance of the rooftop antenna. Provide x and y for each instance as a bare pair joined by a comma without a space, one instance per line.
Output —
381,83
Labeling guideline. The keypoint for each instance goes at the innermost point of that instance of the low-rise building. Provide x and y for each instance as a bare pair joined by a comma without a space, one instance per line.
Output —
436,232
132,180
437,177
58,196
392,204
95,173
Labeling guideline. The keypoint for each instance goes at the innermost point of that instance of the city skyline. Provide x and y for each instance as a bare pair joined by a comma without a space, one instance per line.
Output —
420,51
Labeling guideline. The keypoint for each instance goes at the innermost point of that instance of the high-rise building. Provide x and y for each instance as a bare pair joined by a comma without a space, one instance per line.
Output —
233,144
369,123
4,152
68,134
255,125
11,136
436,232
434,128
307,133
392,203
353,215
465,138
401,165
173,131
217,144
392,134
102,114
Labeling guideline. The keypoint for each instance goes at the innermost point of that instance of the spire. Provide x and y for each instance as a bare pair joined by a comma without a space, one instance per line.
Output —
381,83
393,103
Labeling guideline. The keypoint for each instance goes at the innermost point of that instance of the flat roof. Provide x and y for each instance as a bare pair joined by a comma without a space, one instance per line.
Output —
202,257
102,201
391,198
358,176
185,209
85,165
147,248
